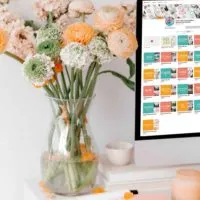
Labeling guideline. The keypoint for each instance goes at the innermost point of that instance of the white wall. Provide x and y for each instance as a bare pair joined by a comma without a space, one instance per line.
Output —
25,117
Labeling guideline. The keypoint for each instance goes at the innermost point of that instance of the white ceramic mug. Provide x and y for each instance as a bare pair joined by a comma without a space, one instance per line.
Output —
119,153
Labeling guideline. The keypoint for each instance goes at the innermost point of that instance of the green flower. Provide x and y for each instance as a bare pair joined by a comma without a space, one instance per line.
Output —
48,33
50,48
38,69
99,48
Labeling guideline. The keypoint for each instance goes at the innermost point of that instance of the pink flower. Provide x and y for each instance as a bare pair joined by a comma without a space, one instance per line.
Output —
79,7
4,1
108,18
8,21
64,20
57,7
22,42
122,43
130,14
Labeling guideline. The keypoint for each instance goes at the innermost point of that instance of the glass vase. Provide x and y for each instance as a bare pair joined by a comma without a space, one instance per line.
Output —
69,167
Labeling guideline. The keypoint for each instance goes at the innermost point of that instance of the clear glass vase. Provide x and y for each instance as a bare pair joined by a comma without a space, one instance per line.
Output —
69,167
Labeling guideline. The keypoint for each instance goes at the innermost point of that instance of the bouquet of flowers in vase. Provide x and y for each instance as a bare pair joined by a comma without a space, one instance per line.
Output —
65,57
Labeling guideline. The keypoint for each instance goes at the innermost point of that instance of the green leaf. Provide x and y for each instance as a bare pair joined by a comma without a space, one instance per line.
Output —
131,67
31,24
130,84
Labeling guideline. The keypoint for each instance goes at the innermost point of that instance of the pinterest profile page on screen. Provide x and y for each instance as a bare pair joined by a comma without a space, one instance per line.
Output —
170,78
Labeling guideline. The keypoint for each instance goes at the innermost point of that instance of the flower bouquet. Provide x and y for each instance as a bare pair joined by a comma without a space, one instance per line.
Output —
65,58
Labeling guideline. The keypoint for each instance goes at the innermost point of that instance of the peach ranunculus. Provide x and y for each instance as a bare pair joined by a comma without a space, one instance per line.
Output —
109,18
3,40
122,43
78,32
80,7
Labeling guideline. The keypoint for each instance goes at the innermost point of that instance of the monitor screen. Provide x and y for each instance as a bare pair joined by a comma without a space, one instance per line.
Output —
170,69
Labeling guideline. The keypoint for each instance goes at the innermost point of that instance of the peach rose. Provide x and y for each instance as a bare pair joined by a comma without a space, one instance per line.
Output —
78,32
122,43
3,40
109,18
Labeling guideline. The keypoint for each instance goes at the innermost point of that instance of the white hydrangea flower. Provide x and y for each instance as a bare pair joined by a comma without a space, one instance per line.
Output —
38,69
76,55
99,48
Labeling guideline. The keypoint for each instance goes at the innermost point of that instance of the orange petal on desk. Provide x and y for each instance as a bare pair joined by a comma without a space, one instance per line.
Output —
98,190
128,196
44,189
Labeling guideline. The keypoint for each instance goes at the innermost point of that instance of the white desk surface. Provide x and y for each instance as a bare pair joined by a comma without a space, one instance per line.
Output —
32,191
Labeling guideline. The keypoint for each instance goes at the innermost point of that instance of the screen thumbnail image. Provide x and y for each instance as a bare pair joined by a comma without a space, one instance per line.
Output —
197,88
150,125
184,106
168,41
168,73
185,40
167,90
150,108
151,41
168,57
151,57
151,74
185,56
167,107
197,40
197,56
196,105
185,89
197,72
185,72
150,91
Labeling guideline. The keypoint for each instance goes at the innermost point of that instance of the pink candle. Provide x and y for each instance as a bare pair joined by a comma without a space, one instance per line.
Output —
186,185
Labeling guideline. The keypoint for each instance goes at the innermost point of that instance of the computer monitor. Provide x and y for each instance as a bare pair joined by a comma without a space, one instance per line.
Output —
167,121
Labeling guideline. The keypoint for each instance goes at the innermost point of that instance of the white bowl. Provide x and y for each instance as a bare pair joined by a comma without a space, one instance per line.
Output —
119,153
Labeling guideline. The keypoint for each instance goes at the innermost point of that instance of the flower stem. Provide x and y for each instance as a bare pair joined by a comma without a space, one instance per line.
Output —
68,76
91,89
77,84
64,85
80,77
59,88
14,57
54,89
83,17
72,83
48,90
50,18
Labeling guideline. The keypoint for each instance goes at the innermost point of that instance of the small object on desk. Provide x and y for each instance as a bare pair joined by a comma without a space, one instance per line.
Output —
129,196
119,153
134,192
186,185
